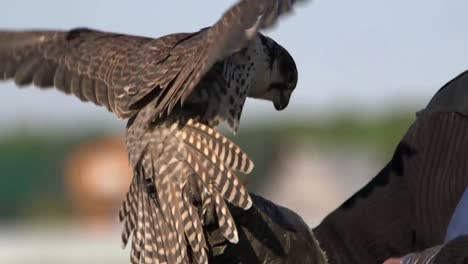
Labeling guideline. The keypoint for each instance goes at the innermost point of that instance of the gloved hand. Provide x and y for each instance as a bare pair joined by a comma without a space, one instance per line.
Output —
268,233
424,257
453,252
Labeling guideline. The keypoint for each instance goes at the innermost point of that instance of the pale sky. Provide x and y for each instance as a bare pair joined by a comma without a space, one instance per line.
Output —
363,55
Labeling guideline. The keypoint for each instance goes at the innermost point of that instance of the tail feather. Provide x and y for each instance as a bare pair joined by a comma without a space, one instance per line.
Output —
225,221
207,202
164,210
158,245
194,232
166,199
161,235
172,195
180,232
222,178
128,211
137,242
219,146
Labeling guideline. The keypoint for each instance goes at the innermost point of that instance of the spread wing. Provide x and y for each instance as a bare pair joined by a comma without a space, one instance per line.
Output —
92,65
236,28
123,72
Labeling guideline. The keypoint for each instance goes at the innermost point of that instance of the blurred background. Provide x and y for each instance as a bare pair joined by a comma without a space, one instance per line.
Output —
365,68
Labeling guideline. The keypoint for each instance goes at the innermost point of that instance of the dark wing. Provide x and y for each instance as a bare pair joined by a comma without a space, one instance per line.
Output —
92,65
125,72
236,28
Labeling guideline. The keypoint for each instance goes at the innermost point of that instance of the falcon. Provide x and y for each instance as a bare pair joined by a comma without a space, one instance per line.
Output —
174,91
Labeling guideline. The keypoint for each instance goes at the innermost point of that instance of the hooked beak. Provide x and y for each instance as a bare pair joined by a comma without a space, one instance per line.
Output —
280,101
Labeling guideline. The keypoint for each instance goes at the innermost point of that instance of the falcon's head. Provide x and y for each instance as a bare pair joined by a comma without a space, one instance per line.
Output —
276,74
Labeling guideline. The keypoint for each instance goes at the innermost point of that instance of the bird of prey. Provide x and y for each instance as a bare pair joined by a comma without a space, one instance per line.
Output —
174,90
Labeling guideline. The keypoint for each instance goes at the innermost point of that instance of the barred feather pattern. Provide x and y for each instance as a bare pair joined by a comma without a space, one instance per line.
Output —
184,171
181,170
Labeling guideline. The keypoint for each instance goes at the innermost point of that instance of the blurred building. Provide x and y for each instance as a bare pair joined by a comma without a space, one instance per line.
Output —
312,180
72,186
97,177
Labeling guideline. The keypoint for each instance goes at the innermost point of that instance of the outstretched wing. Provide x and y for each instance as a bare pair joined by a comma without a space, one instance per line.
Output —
123,72
233,32
92,65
